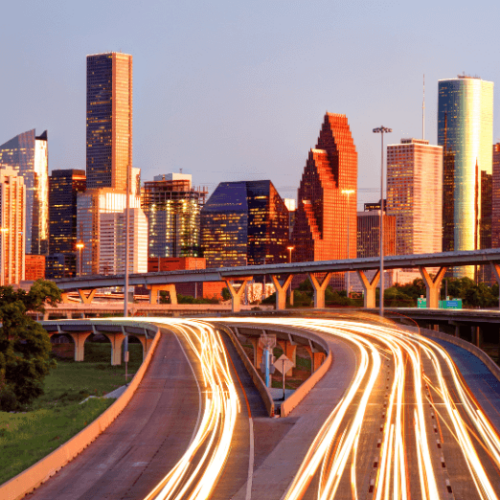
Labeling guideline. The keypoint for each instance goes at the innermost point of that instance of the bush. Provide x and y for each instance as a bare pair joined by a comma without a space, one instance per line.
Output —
8,400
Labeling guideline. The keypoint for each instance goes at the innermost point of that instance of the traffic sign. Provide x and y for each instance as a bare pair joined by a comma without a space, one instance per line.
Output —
283,364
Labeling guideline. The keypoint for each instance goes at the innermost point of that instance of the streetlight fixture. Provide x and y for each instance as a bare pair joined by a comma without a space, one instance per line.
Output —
348,192
290,250
3,230
382,130
80,247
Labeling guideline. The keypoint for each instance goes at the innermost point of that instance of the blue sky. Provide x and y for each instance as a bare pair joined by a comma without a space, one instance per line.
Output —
237,90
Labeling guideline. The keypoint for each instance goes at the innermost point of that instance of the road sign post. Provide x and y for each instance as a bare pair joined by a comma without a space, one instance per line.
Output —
283,364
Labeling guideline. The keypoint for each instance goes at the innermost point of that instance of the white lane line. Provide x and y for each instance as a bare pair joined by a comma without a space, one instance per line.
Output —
251,459
197,385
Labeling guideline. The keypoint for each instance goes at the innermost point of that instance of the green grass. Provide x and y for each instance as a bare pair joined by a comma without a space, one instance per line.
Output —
56,416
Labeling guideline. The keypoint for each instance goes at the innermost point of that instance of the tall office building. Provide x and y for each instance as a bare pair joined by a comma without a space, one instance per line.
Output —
327,196
12,226
91,205
465,130
112,242
495,195
368,237
244,223
173,210
415,196
64,186
28,155
109,120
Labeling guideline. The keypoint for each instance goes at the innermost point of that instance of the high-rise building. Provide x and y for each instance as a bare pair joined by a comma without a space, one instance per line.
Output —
244,223
415,196
495,195
34,267
12,226
112,242
465,130
91,204
368,237
64,186
327,196
28,155
173,209
109,120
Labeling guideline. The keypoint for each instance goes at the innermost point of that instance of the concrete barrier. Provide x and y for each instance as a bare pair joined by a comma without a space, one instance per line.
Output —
38,473
257,380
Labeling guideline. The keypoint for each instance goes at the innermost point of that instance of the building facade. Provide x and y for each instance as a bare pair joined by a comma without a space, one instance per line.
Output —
109,120
91,205
27,154
12,226
415,196
327,196
173,209
465,130
244,223
368,234
495,196
64,186
34,266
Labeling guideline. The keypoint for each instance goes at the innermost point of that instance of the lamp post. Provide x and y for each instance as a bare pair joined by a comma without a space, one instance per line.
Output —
290,250
125,291
348,192
382,130
80,247
3,230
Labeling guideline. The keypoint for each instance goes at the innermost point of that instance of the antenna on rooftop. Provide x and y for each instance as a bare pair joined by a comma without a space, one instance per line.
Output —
423,111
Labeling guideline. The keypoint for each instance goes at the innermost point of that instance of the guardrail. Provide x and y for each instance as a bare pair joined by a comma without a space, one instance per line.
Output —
38,473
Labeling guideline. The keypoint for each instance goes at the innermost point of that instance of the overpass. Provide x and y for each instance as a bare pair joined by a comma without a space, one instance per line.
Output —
282,274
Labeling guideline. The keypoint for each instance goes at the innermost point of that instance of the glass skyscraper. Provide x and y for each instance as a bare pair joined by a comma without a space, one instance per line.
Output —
109,120
465,130
244,223
27,154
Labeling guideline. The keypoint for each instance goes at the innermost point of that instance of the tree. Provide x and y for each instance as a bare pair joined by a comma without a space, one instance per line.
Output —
24,345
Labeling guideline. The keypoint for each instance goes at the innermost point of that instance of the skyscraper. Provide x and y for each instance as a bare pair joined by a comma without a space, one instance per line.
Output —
27,154
327,196
12,226
465,130
64,185
415,196
368,237
244,223
109,120
495,216
173,209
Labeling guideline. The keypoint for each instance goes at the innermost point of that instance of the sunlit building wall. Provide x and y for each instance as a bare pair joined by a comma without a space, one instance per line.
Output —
28,155
465,130
368,237
109,120
112,237
495,195
90,206
64,186
244,223
173,209
415,196
12,226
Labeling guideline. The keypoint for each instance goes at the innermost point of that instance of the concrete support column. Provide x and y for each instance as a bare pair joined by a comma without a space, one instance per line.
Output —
318,358
79,340
258,352
370,289
146,344
495,269
281,291
319,289
457,331
155,289
433,286
87,298
237,293
476,335
65,298
116,340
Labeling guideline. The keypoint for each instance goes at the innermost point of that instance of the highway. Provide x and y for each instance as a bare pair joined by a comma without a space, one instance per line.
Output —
395,421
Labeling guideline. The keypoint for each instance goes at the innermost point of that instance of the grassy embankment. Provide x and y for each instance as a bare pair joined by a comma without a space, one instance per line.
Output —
58,415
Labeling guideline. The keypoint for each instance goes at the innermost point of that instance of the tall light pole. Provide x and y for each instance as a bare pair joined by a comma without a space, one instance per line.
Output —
80,247
290,250
382,130
348,192
125,292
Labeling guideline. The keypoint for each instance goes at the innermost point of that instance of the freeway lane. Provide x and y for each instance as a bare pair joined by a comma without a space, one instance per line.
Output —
149,437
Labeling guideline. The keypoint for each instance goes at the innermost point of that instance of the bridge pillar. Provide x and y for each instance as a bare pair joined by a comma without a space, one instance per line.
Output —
370,289
65,298
476,335
258,352
281,291
433,286
319,289
496,272
317,358
116,340
87,299
155,289
237,294
146,344
79,340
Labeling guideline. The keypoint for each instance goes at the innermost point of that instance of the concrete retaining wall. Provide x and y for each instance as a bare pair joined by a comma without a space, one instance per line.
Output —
38,473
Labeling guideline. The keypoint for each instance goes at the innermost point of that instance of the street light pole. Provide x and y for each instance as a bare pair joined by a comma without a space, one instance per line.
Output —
348,192
125,292
382,130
